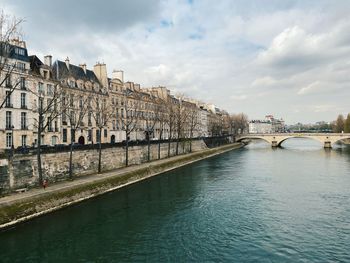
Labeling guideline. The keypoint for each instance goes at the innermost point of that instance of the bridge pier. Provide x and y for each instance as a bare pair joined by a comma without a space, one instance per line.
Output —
274,144
327,145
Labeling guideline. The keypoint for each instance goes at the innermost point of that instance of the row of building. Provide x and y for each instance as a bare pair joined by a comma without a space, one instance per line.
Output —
57,102
268,125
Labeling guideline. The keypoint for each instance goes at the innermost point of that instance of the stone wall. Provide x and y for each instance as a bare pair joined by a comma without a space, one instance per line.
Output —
20,171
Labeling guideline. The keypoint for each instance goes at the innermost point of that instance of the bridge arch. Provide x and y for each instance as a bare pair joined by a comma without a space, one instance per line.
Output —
253,138
340,139
279,143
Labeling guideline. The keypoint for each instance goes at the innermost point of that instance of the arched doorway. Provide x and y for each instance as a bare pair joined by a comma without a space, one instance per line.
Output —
81,140
113,139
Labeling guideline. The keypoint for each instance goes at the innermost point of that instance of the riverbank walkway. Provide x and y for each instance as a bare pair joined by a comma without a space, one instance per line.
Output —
87,179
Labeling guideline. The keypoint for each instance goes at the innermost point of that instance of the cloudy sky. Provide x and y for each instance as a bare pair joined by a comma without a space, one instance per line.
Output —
286,58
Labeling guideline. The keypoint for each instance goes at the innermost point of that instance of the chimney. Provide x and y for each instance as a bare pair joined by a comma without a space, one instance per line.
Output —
67,62
83,66
118,74
48,60
100,71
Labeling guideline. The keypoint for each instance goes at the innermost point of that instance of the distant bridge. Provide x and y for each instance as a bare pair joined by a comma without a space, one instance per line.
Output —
276,139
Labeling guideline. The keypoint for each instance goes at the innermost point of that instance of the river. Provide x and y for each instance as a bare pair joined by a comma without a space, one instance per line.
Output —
254,204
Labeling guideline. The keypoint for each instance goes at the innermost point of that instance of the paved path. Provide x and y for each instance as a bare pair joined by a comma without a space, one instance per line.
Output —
86,179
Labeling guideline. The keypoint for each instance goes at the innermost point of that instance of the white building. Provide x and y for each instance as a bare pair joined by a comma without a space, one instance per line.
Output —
258,126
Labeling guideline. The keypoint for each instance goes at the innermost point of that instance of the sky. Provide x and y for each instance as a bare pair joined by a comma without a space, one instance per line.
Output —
286,58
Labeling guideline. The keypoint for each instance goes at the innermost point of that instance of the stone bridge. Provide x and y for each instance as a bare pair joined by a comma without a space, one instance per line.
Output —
276,139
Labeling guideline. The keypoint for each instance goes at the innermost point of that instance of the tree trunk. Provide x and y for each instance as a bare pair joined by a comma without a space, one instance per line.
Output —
127,150
40,171
99,152
148,149
71,159
191,135
159,140
177,143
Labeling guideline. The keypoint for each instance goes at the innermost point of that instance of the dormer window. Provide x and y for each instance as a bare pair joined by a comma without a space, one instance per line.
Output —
72,83
46,74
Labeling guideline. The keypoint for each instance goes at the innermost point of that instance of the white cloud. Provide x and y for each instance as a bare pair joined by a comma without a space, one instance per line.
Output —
276,56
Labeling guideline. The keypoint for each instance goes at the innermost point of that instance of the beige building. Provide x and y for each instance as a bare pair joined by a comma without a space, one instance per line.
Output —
71,103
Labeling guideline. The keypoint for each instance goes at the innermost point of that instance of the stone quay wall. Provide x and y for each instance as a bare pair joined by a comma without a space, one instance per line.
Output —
21,170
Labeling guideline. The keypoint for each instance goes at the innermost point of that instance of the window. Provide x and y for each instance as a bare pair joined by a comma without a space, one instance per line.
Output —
49,124
49,90
41,88
72,134
8,81
98,136
8,120
8,140
64,135
105,133
24,140
8,99
89,135
81,102
41,104
72,83
23,120
20,51
21,66
53,140
64,117
89,118
22,83
23,101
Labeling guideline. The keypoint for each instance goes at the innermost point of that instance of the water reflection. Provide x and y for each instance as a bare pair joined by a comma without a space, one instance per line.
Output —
251,205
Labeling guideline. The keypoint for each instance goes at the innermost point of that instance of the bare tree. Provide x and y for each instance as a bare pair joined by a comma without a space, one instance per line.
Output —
162,119
181,115
48,108
75,114
238,123
151,120
193,122
9,29
170,120
102,113
130,117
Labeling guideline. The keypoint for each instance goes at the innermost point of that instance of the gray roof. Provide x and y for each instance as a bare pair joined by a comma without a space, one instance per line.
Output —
60,71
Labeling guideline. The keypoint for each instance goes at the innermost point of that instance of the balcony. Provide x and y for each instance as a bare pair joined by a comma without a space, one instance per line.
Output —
8,85
25,107
24,127
8,105
9,127
24,88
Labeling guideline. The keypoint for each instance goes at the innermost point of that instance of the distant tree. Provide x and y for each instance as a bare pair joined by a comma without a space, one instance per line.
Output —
9,29
238,123
339,124
347,124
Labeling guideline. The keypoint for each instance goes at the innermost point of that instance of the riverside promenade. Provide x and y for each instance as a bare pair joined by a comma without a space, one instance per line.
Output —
19,207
